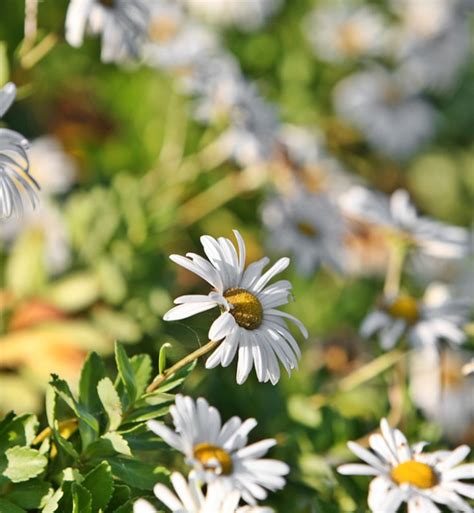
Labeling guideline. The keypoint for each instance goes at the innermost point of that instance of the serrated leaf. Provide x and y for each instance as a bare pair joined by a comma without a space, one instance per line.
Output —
118,442
92,372
142,368
126,372
81,499
52,503
135,473
111,402
20,430
99,482
24,463
29,495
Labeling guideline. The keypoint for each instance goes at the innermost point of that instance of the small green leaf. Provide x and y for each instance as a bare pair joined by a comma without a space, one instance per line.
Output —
99,482
29,495
111,402
24,463
142,368
9,507
126,372
135,473
177,379
92,372
118,442
81,499
120,497
162,357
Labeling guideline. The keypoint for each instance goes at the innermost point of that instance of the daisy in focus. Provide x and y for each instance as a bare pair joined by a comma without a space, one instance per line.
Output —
123,25
399,217
15,177
309,226
340,32
188,497
219,453
405,474
250,322
393,118
424,322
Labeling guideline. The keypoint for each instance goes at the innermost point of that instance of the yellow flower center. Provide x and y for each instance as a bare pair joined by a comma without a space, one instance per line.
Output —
162,29
214,458
247,309
414,473
306,229
405,307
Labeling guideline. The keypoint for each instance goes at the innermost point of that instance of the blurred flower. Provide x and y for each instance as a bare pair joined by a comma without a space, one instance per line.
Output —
174,40
406,474
189,498
248,15
219,454
399,216
342,31
435,63
309,226
15,177
441,390
423,322
122,23
250,320
394,120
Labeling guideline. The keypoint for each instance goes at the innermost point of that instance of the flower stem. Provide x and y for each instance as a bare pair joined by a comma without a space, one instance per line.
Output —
161,378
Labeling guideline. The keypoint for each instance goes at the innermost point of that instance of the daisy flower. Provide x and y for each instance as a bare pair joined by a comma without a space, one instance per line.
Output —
442,391
405,474
423,322
122,23
189,498
15,177
250,321
219,453
395,120
341,31
399,217
309,226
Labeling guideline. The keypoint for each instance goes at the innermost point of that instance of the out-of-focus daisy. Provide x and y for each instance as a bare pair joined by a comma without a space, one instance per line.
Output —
219,453
405,474
250,321
342,31
123,25
15,177
380,104
174,40
441,390
435,63
248,15
309,226
188,497
423,322
399,217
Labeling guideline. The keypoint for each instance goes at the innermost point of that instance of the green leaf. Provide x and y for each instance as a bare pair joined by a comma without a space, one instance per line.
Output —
92,372
81,499
29,495
142,368
111,402
99,482
162,357
135,473
118,442
125,508
51,405
24,463
9,507
52,503
4,64
177,379
126,372
120,496
140,438
146,413
20,430
64,444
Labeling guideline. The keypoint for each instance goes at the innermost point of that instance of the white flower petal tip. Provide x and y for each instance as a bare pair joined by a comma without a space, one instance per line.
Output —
251,327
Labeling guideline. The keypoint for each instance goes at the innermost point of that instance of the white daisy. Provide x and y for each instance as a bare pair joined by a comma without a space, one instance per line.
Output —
423,322
342,31
399,217
440,389
380,104
122,23
15,177
248,15
219,453
309,226
250,321
405,474
175,41
189,498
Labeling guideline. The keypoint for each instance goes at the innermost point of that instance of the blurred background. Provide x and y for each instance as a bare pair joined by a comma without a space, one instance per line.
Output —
229,105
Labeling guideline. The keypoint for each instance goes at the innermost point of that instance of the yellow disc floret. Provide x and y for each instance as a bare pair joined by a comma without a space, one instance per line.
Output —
214,458
414,473
246,308
306,229
406,308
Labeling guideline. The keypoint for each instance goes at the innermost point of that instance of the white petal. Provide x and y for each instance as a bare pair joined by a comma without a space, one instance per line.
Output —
357,470
222,326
